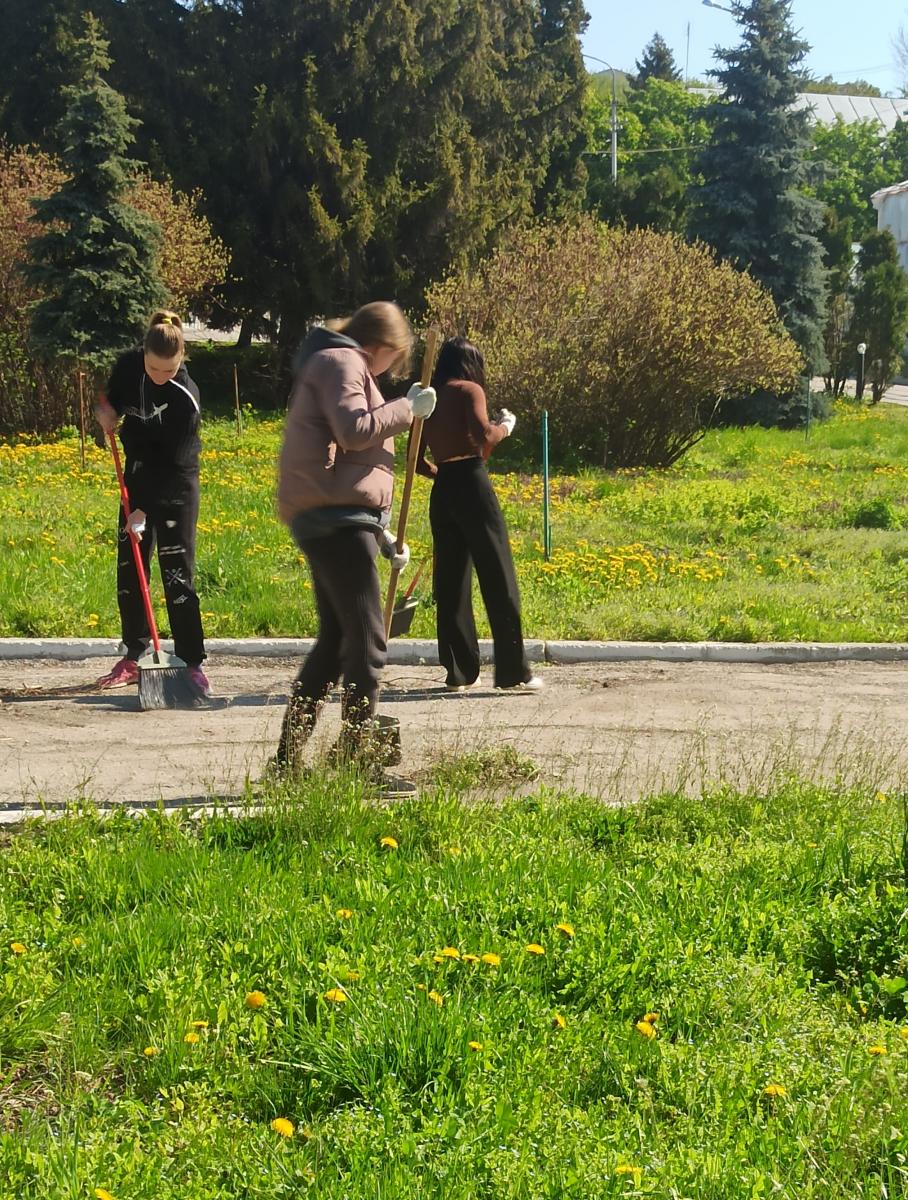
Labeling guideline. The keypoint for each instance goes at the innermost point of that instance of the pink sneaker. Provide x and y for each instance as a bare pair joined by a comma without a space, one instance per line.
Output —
200,679
124,673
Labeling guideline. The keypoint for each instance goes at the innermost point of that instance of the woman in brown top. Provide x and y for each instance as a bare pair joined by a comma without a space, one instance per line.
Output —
468,526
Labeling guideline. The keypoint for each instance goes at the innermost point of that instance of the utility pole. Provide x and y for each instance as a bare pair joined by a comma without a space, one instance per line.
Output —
614,116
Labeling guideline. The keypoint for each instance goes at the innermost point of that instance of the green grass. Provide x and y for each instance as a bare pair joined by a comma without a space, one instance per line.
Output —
770,934
754,535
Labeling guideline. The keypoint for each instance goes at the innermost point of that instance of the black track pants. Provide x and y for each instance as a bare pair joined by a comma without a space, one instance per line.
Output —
468,528
171,526
351,632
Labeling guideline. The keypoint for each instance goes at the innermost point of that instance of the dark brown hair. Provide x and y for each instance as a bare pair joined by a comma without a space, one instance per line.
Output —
164,336
459,359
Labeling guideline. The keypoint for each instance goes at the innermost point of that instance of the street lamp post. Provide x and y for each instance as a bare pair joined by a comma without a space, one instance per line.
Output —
721,7
614,116
859,388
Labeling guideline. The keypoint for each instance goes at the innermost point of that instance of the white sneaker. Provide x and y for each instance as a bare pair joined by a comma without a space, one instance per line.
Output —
456,688
533,684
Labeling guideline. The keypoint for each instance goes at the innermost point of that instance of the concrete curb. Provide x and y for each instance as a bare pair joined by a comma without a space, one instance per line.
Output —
405,652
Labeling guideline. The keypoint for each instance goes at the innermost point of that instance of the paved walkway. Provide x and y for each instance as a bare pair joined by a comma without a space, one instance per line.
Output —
615,730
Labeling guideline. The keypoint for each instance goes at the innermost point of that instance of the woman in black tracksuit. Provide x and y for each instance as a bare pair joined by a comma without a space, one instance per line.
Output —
468,526
154,403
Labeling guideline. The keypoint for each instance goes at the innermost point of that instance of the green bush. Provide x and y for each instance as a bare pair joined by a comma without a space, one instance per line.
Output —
629,338
874,514
783,410
261,382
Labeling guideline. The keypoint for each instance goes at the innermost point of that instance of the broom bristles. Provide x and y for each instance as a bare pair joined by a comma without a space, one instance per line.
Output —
168,687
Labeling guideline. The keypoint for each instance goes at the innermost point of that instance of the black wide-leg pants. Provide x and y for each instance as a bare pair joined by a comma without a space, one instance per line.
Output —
468,529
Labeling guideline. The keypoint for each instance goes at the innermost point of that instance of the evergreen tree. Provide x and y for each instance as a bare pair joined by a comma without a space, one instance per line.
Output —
658,62
751,206
95,260
880,310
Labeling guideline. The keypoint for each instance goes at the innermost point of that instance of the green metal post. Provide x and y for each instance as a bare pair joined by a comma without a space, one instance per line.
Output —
546,517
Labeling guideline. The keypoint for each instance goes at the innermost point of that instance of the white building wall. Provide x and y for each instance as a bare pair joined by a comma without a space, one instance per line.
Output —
892,214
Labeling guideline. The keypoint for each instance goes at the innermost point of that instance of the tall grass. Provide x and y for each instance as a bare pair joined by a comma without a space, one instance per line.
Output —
718,1010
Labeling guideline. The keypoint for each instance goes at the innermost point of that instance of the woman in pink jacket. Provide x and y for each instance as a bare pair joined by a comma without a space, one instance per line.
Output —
334,491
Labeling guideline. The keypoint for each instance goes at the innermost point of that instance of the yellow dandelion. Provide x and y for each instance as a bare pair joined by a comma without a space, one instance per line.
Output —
454,851
151,1051
389,843
534,948
336,995
420,987
449,952
344,913
102,1194
491,960
352,976
469,958
774,1089
903,1032
436,998
255,1000
646,1028
199,1024
877,1051
77,942
567,930
475,1045
282,1126
17,947
191,1038
652,1017
881,796
636,1173
558,1021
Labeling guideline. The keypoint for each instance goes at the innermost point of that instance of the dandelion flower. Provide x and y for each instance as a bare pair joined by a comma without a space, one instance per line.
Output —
436,998
475,1045
352,976
344,913
255,999
774,1089
646,1028
454,851
449,952
282,1126
199,1024
567,930
877,1051
77,942
389,843
191,1038
903,1032
420,987
652,1017
336,995
491,960
626,1169
151,1051
534,948
469,958
102,1194
559,1021
17,947
881,796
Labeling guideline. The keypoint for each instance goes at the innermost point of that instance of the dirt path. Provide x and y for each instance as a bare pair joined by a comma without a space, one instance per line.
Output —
614,730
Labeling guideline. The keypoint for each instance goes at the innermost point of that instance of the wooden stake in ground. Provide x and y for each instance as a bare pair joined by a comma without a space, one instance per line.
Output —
428,366
236,398
81,375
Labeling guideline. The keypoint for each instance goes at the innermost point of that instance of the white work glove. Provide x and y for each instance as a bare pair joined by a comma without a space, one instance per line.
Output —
423,401
508,420
135,523
399,562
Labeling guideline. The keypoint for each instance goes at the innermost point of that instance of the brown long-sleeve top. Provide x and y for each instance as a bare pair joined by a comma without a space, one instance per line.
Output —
459,427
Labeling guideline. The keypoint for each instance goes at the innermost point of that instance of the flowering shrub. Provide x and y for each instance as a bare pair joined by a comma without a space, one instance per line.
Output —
628,338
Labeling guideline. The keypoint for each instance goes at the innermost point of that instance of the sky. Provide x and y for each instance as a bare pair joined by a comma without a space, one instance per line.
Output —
849,40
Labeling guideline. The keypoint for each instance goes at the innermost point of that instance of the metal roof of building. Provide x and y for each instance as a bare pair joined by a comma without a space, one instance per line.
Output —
886,110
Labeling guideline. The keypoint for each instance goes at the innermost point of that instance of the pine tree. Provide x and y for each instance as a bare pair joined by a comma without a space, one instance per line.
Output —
658,62
880,310
751,207
95,260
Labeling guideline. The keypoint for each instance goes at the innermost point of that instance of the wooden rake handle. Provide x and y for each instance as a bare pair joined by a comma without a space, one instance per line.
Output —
433,339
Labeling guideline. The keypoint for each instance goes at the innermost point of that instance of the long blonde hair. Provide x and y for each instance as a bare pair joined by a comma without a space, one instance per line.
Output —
380,323
164,336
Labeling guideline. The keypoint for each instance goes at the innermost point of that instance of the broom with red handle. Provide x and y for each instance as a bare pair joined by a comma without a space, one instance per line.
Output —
164,679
